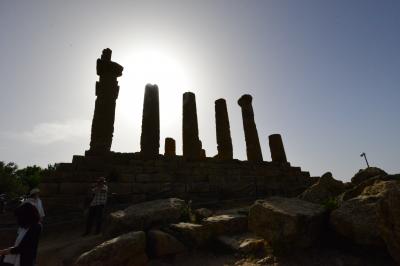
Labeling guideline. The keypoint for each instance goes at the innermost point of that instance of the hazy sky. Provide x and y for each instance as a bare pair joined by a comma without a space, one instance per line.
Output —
324,74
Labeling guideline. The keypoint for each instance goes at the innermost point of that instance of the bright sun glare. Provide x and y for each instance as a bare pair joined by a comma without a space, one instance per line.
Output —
155,67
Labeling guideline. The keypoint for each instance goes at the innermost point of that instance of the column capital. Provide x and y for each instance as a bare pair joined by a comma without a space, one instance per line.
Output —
245,100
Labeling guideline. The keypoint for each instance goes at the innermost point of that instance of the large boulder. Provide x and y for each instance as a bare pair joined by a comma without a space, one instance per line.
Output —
202,213
389,220
323,190
358,189
161,243
287,222
144,215
192,235
127,249
226,224
367,173
358,218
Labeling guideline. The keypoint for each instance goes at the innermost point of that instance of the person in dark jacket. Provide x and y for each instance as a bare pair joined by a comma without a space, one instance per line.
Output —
24,252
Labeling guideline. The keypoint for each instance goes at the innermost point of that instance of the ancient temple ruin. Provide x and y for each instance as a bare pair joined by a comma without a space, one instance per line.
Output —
104,111
147,174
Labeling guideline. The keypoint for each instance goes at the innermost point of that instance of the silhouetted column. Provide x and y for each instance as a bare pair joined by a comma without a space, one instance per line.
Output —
203,154
169,147
190,130
277,150
104,111
224,140
253,148
150,138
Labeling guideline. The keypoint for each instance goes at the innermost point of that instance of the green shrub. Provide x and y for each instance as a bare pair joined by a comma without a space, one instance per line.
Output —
30,176
187,214
331,204
10,183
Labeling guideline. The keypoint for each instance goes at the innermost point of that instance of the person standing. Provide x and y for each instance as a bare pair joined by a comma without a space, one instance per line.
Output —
96,207
2,202
24,251
36,201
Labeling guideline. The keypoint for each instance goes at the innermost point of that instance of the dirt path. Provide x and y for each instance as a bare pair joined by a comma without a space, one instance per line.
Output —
62,248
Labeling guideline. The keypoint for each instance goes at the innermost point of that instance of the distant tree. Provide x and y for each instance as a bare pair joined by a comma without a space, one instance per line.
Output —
30,176
16,182
10,183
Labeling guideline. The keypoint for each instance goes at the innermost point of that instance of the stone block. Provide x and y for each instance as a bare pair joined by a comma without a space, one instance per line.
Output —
62,203
127,178
48,189
74,188
119,188
140,188
191,234
127,249
199,187
245,244
287,223
226,224
162,244
144,216
149,178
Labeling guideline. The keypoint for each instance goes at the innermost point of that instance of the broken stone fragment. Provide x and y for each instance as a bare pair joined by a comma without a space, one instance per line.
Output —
127,249
287,222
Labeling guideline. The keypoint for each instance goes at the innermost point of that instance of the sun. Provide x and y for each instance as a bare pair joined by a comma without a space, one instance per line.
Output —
155,67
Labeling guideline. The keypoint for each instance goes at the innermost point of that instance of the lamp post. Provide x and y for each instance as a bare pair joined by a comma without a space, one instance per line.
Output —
365,157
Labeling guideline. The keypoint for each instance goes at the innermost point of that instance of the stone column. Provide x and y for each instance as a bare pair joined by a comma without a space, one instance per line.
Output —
190,130
150,138
104,111
253,148
277,150
224,140
169,147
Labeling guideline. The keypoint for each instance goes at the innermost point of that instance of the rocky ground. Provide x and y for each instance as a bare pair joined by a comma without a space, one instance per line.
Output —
331,223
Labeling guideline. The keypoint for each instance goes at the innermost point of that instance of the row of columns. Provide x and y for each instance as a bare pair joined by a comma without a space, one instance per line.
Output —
103,122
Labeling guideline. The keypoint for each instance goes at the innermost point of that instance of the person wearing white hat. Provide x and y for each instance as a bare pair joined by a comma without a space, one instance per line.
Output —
36,201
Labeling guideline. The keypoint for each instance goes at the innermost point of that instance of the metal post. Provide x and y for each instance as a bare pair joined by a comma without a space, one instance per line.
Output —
365,157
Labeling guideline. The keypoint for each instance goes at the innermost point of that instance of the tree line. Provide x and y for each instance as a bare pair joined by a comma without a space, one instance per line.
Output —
15,182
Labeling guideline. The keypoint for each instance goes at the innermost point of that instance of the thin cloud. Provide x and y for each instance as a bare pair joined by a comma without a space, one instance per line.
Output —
48,133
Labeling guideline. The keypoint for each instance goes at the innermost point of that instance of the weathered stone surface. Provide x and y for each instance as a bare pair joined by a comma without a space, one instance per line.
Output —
192,234
287,222
276,148
226,224
142,216
253,148
224,140
326,188
107,90
162,243
203,213
170,147
367,173
389,219
353,191
150,138
244,243
127,249
357,218
190,131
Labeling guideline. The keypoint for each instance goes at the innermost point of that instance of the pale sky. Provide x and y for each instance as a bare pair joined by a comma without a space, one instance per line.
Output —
324,74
